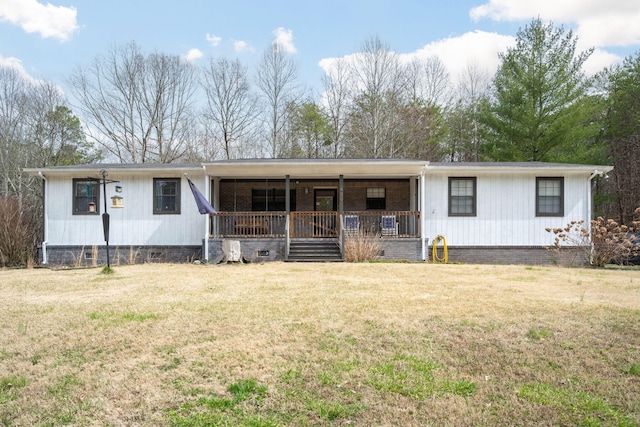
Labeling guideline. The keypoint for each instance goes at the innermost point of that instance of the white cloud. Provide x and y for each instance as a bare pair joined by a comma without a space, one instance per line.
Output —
456,53
284,40
476,47
193,55
597,23
16,64
242,46
57,22
213,40
599,60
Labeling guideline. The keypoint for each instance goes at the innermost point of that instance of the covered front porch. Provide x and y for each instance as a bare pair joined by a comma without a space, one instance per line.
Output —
318,204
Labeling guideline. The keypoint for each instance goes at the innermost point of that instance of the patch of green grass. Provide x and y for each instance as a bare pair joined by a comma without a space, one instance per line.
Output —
405,375
332,410
9,387
107,271
72,357
5,355
540,333
462,388
173,364
576,407
111,318
236,410
634,369
415,378
64,384
291,376
138,317
245,389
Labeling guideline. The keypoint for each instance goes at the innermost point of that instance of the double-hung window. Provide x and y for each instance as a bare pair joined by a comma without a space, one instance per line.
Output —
549,196
166,195
376,198
86,197
462,196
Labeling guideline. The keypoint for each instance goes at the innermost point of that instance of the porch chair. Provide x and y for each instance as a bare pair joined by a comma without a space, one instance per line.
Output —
389,225
351,225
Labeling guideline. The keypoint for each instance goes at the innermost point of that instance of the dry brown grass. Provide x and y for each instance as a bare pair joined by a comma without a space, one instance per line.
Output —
320,344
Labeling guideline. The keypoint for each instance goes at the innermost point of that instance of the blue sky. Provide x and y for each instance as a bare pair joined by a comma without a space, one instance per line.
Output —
47,39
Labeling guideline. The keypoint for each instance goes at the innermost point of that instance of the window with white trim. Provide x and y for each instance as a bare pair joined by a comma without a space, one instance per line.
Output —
166,195
86,197
462,196
549,196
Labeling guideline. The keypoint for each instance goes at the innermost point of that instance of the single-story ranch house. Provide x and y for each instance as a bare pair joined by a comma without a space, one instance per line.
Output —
295,210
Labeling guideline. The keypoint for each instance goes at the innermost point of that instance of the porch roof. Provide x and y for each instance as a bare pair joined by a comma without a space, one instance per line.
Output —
315,168
119,169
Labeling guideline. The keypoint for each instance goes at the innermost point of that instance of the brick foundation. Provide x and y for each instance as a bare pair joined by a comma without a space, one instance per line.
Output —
534,255
97,255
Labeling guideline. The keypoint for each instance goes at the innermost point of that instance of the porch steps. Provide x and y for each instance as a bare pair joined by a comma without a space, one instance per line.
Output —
314,251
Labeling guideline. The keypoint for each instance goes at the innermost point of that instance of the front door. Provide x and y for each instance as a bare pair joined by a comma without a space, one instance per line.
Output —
326,206
326,199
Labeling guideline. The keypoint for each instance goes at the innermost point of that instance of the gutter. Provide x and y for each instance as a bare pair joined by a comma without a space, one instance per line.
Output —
45,215
423,213
595,173
207,182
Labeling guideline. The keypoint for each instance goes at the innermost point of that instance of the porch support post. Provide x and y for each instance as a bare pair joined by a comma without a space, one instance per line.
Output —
207,220
287,204
341,212
423,214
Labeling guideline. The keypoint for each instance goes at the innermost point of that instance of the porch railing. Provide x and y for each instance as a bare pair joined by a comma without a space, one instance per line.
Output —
403,224
248,224
314,224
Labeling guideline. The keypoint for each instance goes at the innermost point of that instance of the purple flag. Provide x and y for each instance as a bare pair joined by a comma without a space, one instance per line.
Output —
204,207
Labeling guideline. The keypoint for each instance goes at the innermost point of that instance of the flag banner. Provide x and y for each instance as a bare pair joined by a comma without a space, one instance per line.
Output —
204,207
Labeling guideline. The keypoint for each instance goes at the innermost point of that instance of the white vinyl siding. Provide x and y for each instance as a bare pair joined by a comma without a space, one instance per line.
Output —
505,211
133,224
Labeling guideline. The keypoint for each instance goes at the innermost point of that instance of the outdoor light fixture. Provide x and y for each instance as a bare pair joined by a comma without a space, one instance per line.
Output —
105,216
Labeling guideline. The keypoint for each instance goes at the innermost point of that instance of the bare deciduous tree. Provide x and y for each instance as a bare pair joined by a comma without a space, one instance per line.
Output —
231,106
428,80
464,140
13,111
379,78
337,96
276,79
138,108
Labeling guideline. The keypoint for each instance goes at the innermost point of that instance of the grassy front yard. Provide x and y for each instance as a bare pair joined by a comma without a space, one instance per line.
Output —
320,344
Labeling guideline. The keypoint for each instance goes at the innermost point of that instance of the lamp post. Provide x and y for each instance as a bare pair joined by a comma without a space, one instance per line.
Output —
105,215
